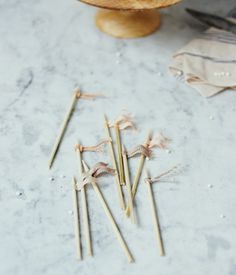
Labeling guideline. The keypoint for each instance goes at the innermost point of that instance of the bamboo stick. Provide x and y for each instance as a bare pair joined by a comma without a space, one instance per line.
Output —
84,207
110,217
154,214
138,173
114,164
119,153
140,169
128,185
64,125
76,220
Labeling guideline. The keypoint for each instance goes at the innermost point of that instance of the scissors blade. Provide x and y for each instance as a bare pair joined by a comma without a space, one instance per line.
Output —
213,20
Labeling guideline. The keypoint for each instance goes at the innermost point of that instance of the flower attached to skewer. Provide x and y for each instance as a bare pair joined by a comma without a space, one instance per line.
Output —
96,148
92,174
124,121
163,175
159,141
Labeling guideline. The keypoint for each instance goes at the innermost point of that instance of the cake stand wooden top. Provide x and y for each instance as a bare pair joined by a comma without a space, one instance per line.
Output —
131,4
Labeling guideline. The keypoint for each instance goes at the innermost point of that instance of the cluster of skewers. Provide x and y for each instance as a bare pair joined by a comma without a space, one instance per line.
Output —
126,188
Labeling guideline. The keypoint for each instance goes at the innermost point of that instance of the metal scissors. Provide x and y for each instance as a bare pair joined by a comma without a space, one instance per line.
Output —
228,24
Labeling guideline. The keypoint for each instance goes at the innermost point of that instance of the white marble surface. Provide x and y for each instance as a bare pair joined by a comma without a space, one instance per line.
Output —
47,47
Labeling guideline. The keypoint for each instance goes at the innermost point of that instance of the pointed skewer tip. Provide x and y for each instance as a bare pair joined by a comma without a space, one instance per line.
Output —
85,165
77,91
105,118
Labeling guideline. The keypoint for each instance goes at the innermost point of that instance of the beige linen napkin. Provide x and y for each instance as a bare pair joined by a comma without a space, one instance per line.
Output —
208,63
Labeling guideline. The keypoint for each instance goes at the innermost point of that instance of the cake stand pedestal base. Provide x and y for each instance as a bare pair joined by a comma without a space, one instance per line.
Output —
128,24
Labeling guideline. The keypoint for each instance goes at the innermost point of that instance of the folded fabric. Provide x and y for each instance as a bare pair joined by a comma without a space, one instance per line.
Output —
208,63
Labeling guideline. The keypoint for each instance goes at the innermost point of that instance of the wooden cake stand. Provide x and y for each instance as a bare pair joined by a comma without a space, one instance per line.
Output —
129,18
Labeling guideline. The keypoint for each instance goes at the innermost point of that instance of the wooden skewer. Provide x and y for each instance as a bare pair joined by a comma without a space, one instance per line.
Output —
154,215
110,217
140,169
76,220
119,151
57,143
128,185
114,164
138,174
84,207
